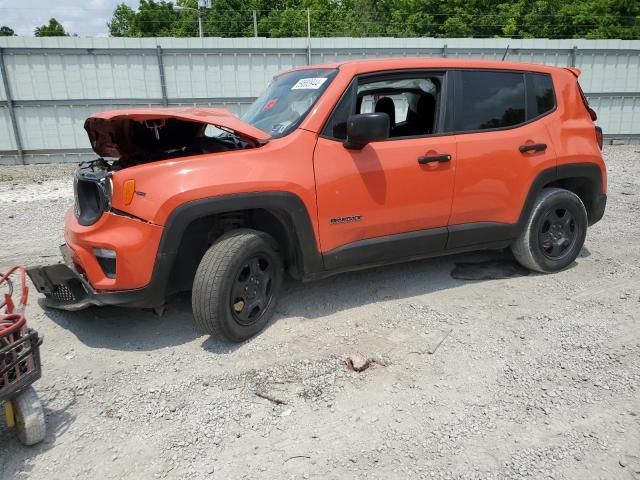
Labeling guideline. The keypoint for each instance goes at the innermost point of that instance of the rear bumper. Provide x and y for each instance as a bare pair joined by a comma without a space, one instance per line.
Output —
66,289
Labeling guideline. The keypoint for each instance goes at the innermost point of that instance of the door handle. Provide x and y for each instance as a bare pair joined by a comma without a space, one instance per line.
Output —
534,147
434,158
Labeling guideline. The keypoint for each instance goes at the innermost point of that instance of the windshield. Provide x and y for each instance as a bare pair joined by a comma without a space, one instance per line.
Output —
287,100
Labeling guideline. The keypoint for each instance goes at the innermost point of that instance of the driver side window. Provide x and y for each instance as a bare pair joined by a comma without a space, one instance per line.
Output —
411,101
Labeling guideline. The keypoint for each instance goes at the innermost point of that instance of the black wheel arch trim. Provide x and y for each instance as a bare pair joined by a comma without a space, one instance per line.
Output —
589,171
307,256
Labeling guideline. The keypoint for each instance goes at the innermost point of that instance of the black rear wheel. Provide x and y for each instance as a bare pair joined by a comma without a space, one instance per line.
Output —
554,233
557,233
236,285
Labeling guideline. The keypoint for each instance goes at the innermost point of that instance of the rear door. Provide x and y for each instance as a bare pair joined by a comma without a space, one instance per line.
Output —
385,201
502,145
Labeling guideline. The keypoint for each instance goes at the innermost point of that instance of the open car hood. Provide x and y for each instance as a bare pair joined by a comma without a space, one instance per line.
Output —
113,134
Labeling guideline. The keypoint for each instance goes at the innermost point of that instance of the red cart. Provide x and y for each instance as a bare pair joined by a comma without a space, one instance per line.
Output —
19,364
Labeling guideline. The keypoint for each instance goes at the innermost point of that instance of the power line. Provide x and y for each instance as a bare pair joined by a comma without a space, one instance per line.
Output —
373,12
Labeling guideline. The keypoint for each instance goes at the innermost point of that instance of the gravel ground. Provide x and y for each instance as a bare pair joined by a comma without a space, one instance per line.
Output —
537,376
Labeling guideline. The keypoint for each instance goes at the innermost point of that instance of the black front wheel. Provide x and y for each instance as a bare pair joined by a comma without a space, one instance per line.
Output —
554,233
236,285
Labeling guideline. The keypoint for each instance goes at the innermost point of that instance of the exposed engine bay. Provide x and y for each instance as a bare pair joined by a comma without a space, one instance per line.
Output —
131,142
126,138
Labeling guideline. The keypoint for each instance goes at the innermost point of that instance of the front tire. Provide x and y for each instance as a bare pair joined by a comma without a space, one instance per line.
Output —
237,284
554,233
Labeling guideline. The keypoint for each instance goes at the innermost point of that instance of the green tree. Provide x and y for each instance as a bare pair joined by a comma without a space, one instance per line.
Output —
151,19
186,22
52,29
155,19
412,18
6,31
457,26
229,18
121,24
400,18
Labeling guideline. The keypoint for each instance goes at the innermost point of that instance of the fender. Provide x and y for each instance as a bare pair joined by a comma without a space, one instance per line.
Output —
594,197
289,205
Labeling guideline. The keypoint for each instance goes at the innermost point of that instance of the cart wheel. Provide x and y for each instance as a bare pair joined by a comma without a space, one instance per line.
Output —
29,416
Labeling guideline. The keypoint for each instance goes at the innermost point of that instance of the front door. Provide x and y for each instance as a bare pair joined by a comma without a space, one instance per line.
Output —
391,199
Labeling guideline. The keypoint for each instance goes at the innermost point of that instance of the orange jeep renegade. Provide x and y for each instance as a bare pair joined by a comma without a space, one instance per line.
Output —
335,167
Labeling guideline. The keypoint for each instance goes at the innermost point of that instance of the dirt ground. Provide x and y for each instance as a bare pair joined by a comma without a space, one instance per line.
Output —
538,376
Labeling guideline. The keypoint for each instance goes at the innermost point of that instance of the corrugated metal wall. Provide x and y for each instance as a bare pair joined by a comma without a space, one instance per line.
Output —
55,83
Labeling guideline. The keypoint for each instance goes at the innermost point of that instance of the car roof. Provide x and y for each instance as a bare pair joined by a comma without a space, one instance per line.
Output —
403,63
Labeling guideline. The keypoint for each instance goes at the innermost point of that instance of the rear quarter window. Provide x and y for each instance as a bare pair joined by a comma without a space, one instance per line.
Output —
487,100
541,95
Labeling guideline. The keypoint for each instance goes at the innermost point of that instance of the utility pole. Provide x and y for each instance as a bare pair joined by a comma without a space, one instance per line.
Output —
200,23
255,24
202,6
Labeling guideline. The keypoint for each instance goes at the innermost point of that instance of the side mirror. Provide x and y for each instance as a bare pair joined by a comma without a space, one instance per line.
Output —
366,127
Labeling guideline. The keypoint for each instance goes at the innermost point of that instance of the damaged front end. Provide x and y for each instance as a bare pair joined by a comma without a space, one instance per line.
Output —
66,288
63,287
107,255
92,191
130,142
127,138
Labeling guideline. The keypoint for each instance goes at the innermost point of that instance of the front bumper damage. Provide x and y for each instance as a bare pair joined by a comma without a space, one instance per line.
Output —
63,287
67,289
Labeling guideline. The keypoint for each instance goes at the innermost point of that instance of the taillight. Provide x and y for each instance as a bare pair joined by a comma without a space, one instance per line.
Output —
592,112
599,137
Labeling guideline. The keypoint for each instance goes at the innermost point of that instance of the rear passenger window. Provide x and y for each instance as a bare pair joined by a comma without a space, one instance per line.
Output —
489,100
540,88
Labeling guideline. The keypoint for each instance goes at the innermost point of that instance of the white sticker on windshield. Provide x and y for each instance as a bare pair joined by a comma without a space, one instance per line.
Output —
309,84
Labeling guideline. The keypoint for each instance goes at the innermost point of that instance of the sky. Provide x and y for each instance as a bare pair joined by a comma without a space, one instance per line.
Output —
87,18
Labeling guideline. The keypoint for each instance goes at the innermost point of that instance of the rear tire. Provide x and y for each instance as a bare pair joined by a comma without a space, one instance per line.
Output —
554,233
237,284
29,417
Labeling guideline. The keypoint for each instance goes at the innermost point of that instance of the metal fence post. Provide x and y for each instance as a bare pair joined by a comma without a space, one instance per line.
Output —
574,53
255,24
308,36
163,80
12,113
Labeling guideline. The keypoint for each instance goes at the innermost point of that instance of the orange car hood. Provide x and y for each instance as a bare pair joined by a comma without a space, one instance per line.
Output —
100,124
